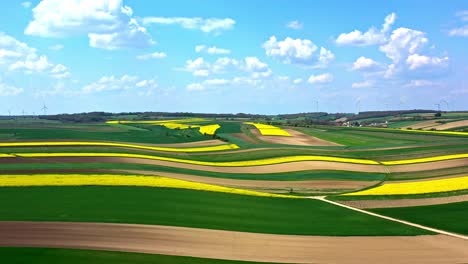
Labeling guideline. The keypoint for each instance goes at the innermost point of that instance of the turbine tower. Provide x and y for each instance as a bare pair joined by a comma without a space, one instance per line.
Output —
44,109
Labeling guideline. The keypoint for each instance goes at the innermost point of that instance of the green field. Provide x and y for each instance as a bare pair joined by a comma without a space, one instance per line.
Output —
188,208
12,255
449,217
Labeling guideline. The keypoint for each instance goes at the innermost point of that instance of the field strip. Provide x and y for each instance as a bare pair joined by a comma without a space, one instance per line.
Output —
424,160
240,183
18,180
418,187
269,161
393,203
219,244
123,145
442,232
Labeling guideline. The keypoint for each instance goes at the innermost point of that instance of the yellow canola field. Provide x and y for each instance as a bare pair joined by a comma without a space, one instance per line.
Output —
209,129
429,159
110,144
172,125
245,163
418,187
119,180
185,120
268,130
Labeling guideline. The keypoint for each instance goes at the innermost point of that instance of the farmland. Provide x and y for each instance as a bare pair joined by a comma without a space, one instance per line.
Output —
195,178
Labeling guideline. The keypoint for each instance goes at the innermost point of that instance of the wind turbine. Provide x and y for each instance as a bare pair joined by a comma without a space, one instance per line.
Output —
44,109
446,103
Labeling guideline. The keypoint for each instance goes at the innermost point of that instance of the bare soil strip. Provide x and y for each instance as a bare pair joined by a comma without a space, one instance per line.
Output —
444,164
450,125
366,204
296,138
425,124
280,186
275,168
231,245
435,230
245,138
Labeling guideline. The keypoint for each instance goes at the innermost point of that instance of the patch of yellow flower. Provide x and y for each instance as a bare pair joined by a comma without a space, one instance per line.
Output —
123,145
209,129
120,180
244,163
428,159
269,130
417,187
172,125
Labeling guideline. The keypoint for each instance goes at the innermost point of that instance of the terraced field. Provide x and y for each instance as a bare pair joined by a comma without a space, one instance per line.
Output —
164,187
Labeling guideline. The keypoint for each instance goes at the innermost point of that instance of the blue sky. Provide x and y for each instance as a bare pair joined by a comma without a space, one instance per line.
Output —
252,56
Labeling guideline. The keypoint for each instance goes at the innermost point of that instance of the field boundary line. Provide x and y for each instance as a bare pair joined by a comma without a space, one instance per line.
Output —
435,230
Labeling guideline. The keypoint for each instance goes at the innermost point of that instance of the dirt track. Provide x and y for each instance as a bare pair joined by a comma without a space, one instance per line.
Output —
274,186
365,204
297,138
235,245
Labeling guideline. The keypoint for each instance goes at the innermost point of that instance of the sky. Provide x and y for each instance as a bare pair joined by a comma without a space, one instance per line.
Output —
238,56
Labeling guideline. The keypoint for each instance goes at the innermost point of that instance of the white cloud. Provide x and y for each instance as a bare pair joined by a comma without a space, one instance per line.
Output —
195,87
404,42
321,78
372,36
211,50
215,82
7,90
364,84
206,25
112,83
108,23
416,61
364,64
419,83
197,67
297,51
256,67
154,55
460,31
17,55
295,24
297,81
56,47
221,65
26,4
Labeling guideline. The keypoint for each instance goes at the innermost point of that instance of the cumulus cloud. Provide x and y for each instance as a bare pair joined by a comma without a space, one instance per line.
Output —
26,4
154,55
56,47
462,30
201,68
297,51
206,25
364,84
420,83
295,24
8,90
372,36
112,83
108,23
364,64
297,81
256,67
321,78
404,42
416,61
17,55
195,87
211,50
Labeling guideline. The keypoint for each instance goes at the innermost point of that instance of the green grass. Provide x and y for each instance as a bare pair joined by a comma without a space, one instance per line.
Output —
153,134
449,217
404,123
13,255
288,176
426,174
189,208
